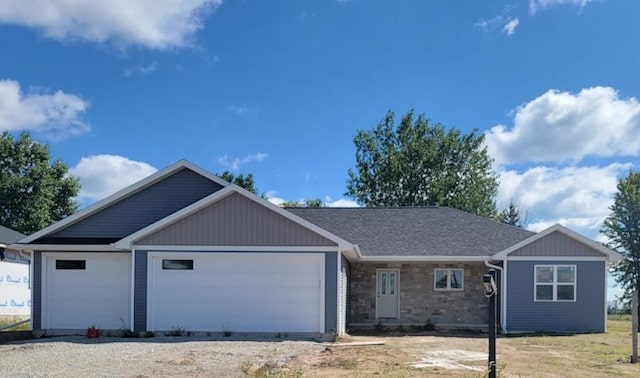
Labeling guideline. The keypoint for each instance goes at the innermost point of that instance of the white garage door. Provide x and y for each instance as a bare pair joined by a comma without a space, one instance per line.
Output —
86,289
237,292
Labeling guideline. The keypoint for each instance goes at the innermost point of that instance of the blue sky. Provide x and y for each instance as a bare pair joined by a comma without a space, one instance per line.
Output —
279,89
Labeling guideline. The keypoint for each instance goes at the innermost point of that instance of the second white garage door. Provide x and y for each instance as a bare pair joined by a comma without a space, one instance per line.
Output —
236,292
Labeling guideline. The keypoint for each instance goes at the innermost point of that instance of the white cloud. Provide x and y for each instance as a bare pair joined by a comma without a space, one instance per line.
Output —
342,202
577,197
103,175
57,114
562,126
156,24
489,24
503,22
143,70
510,26
271,197
238,110
234,164
535,5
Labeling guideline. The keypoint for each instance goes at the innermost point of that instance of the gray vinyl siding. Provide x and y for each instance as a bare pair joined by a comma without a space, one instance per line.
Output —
140,291
143,208
586,314
331,292
236,221
556,244
36,291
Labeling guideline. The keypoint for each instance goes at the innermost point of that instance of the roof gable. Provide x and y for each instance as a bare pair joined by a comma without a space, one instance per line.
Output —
233,217
134,207
558,241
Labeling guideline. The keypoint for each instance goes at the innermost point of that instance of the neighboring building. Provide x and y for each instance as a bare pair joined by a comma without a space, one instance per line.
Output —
15,295
185,249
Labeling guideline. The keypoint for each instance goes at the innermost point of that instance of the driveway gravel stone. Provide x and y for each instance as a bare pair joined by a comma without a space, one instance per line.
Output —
76,356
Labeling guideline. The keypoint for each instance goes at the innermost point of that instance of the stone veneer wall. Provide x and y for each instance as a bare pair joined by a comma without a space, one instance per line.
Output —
419,301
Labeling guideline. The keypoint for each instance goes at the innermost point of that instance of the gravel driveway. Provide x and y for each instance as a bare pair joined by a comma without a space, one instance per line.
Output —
78,356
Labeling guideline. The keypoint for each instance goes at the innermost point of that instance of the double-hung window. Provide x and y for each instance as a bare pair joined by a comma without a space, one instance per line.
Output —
449,279
555,283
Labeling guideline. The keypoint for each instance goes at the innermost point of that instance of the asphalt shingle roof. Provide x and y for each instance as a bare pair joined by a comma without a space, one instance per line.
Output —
415,231
8,236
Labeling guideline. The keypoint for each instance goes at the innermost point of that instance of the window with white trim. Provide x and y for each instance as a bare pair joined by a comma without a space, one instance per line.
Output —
448,279
555,283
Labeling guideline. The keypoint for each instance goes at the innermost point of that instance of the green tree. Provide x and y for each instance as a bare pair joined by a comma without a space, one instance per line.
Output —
241,180
622,228
306,203
34,192
417,163
513,215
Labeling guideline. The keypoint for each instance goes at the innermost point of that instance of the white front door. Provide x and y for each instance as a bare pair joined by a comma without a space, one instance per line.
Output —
387,284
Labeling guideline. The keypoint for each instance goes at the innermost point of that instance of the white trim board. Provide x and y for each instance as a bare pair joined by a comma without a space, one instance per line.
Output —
69,248
568,259
234,248
121,194
401,259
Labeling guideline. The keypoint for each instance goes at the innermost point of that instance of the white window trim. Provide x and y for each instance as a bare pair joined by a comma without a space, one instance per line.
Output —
448,288
555,282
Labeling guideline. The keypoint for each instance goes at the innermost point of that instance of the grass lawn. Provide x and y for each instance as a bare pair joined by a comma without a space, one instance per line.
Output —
590,355
8,320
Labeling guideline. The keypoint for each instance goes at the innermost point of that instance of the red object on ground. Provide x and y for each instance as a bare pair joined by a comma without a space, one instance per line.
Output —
93,333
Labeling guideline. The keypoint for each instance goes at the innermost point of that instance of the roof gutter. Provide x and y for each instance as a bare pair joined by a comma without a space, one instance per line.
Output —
422,258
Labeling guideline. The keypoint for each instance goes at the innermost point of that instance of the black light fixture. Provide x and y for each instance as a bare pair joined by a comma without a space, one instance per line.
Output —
490,291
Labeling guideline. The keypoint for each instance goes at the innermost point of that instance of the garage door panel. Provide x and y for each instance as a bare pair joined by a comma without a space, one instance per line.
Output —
97,295
242,292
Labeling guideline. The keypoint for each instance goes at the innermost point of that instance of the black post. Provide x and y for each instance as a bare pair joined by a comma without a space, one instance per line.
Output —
492,327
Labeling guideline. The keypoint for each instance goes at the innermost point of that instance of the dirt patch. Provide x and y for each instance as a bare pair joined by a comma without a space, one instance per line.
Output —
451,359
459,355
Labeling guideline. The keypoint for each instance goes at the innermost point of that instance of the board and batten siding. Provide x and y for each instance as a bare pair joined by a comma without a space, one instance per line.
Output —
586,314
142,208
36,292
235,221
556,244
141,291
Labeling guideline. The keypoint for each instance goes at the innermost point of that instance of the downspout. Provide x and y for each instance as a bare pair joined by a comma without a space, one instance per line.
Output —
503,294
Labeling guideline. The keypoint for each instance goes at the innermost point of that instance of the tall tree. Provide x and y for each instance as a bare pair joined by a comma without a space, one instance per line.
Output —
513,215
241,180
417,163
306,203
622,228
34,192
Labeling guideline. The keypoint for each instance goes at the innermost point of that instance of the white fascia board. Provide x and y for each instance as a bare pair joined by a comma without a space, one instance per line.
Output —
423,258
233,248
121,194
557,258
606,252
68,247
126,242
